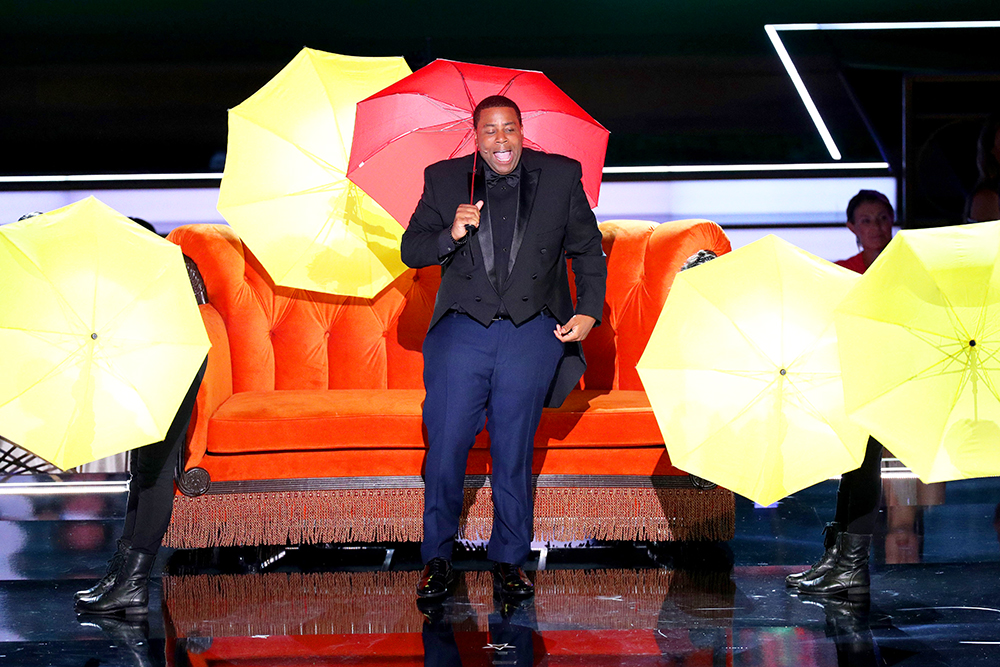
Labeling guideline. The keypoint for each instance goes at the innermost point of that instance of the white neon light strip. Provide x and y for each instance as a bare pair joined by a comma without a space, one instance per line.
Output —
887,25
654,169
97,178
800,87
62,488
793,74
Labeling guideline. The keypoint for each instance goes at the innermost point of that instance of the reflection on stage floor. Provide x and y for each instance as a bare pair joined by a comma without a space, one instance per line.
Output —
934,600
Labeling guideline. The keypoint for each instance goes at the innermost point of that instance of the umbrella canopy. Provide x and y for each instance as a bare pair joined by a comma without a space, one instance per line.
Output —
919,339
284,189
427,117
743,375
100,331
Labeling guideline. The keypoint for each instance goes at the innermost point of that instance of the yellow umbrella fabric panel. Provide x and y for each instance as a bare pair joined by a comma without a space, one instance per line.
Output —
285,188
100,330
919,338
743,373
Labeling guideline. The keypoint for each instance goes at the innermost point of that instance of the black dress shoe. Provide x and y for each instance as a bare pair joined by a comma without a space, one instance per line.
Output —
511,581
433,610
437,579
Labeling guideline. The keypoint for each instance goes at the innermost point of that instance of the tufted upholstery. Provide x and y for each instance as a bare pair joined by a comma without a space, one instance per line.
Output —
282,338
267,339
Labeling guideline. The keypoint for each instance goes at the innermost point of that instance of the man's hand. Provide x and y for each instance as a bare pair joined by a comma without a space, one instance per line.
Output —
466,215
576,329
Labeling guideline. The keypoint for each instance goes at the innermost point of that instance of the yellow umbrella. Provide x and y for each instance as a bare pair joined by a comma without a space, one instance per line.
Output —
100,332
284,189
919,338
743,375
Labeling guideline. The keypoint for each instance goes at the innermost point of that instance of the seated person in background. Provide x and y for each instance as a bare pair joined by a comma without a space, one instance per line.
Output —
869,217
984,202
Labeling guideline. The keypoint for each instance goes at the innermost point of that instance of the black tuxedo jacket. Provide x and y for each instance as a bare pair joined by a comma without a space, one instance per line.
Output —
554,222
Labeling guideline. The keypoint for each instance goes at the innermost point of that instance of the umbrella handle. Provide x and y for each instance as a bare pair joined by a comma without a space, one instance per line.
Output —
469,229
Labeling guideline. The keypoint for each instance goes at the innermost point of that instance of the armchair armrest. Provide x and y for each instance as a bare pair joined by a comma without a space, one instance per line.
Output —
216,387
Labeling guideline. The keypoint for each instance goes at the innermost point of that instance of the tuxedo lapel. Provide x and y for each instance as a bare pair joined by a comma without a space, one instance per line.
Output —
528,187
485,234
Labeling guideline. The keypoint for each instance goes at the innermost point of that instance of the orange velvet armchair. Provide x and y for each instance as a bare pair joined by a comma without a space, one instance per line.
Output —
308,424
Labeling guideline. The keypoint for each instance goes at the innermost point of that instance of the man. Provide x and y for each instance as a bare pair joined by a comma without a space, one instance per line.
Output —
502,317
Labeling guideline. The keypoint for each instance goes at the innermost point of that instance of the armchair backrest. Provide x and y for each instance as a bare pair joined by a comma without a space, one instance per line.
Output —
643,258
282,338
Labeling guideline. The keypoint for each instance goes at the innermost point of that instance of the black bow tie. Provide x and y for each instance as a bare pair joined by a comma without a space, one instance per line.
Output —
511,179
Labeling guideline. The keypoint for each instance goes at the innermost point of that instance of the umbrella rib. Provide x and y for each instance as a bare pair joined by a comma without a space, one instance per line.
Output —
57,368
325,164
112,370
990,386
440,127
925,373
983,310
316,189
807,405
326,226
86,374
507,86
752,343
969,372
465,86
52,285
111,321
312,156
750,404
36,330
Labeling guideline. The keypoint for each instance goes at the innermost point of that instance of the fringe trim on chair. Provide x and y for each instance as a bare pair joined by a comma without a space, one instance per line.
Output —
395,515
292,604
334,603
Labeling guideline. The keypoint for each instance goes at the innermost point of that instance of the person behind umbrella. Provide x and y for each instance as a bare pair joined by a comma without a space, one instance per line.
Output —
502,316
125,585
983,202
844,565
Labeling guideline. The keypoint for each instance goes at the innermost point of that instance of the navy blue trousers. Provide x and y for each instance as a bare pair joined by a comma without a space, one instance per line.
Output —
498,374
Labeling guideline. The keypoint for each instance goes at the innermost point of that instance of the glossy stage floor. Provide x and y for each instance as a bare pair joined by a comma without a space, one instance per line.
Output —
935,596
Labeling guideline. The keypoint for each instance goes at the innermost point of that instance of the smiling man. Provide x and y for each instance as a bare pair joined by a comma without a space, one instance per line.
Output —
501,322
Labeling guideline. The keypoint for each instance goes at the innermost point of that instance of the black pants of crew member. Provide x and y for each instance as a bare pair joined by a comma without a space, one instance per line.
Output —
151,486
860,493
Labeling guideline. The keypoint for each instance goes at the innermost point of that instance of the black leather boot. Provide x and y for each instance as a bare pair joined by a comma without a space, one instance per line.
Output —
114,564
847,623
129,634
130,591
830,533
849,573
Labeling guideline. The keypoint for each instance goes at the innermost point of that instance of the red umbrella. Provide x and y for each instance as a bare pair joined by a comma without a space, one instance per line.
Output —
427,117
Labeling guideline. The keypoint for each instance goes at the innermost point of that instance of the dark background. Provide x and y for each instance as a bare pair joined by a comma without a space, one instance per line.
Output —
108,86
